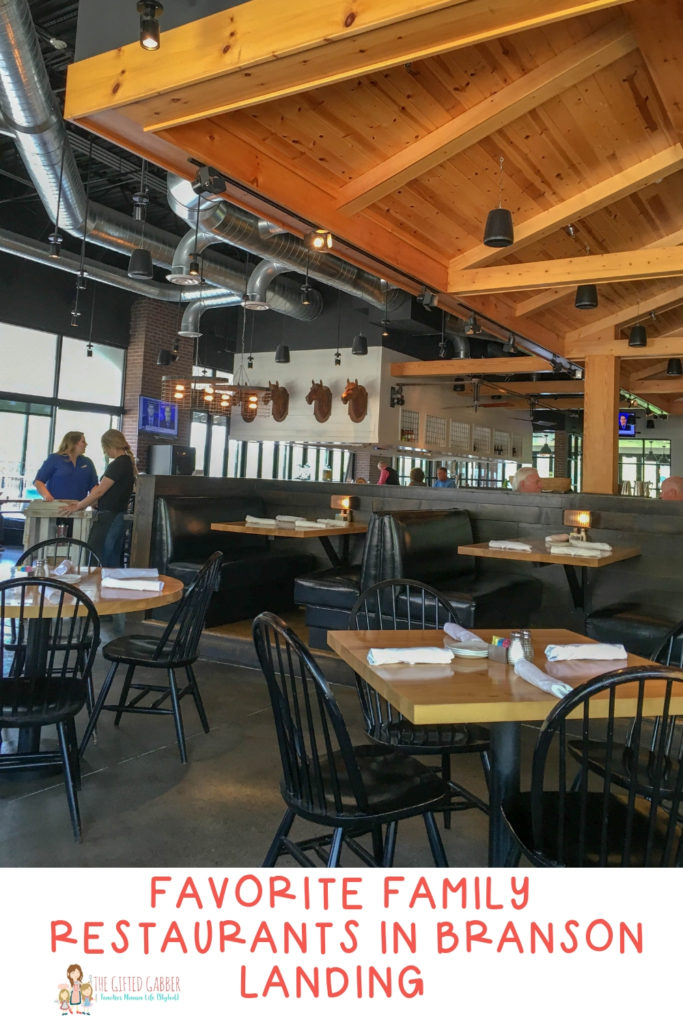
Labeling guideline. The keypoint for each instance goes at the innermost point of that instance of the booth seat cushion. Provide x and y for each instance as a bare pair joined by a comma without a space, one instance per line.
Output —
329,588
640,626
503,599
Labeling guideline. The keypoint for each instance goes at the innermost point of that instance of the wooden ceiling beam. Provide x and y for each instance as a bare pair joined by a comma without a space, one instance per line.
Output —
658,27
636,311
637,265
585,202
609,346
665,386
265,49
525,94
448,368
548,298
638,376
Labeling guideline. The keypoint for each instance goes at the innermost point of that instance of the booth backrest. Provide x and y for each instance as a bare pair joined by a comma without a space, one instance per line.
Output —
182,528
418,544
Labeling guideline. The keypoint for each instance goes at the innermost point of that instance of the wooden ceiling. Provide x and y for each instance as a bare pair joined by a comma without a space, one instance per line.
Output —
385,123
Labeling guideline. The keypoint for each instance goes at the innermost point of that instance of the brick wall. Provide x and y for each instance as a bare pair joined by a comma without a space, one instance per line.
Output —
153,326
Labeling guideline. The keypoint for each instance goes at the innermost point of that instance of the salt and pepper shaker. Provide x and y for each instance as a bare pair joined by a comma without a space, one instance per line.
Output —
516,648
527,645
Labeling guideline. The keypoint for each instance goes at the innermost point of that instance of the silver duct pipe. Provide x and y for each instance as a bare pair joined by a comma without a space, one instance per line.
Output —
259,281
246,231
31,112
37,252
189,328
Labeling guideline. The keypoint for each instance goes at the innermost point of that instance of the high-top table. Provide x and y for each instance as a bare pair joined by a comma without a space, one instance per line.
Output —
476,691
323,533
540,555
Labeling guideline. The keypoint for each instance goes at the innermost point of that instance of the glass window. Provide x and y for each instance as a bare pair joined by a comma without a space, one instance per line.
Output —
198,437
28,361
92,424
37,445
219,434
98,380
251,461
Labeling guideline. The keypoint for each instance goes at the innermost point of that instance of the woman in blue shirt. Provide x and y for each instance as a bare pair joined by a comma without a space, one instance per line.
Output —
67,473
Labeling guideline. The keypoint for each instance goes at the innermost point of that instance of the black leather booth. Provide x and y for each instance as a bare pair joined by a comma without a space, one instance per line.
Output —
421,545
641,626
255,576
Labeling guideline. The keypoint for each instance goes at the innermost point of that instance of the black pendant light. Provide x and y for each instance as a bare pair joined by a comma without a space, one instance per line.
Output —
282,354
499,231
359,346
140,265
637,337
305,287
674,369
586,296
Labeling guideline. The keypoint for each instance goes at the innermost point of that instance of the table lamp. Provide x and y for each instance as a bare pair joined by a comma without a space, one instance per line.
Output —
580,520
345,503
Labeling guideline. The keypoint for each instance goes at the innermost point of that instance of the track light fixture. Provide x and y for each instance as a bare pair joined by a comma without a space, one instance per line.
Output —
149,11
359,346
499,231
318,239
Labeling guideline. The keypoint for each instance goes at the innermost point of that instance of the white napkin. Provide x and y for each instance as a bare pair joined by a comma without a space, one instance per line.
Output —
285,519
590,545
116,584
460,634
537,677
258,521
510,545
409,656
131,574
333,522
557,538
306,524
573,550
589,652
64,568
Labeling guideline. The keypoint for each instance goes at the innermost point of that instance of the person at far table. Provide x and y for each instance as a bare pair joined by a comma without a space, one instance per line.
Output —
67,474
417,477
387,473
112,495
442,478
672,489
526,480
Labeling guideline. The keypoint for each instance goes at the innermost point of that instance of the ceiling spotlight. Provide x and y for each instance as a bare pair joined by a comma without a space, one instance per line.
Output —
319,239
578,373
637,337
208,180
165,357
673,368
149,10
472,326
509,347
359,346
499,231
305,294
55,240
75,318
282,354
571,230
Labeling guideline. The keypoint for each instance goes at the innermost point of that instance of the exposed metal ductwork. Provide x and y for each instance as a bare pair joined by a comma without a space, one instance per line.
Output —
192,314
228,223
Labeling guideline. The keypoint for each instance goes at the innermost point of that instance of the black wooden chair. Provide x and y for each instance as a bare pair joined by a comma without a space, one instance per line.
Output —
633,757
175,649
57,550
351,790
48,638
603,820
409,604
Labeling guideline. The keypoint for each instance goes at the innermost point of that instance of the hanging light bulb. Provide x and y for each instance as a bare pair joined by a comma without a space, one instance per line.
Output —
499,231
319,239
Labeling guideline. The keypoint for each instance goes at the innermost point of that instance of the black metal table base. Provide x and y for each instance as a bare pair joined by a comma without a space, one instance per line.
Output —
504,781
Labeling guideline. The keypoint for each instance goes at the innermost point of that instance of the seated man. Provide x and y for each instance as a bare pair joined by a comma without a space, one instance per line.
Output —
672,489
526,480
442,478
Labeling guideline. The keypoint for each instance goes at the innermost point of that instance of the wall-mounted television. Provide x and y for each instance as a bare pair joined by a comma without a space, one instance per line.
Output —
626,426
156,417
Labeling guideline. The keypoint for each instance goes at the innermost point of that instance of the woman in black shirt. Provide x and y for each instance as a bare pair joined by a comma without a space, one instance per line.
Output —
112,495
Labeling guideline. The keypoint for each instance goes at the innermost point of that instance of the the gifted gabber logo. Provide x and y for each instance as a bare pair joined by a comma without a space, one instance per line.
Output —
75,995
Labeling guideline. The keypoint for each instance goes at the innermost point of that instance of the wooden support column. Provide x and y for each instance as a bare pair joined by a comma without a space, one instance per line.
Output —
601,408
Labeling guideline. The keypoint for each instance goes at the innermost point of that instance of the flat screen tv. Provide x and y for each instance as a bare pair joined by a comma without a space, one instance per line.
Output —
627,424
157,417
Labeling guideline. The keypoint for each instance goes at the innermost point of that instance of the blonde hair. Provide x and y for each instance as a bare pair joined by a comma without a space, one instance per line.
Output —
115,439
69,441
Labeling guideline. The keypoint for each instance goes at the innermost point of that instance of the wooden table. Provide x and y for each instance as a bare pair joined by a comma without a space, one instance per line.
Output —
540,555
475,691
323,533
107,601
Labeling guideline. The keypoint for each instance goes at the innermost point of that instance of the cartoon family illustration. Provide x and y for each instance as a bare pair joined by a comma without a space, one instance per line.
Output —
76,996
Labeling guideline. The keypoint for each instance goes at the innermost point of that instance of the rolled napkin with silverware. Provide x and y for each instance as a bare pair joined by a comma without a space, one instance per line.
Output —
510,545
580,548
557,538
132,574
114,583
590,545
537,677
409,656
332,522
306,524
459,633
587,652
260,521
286,519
